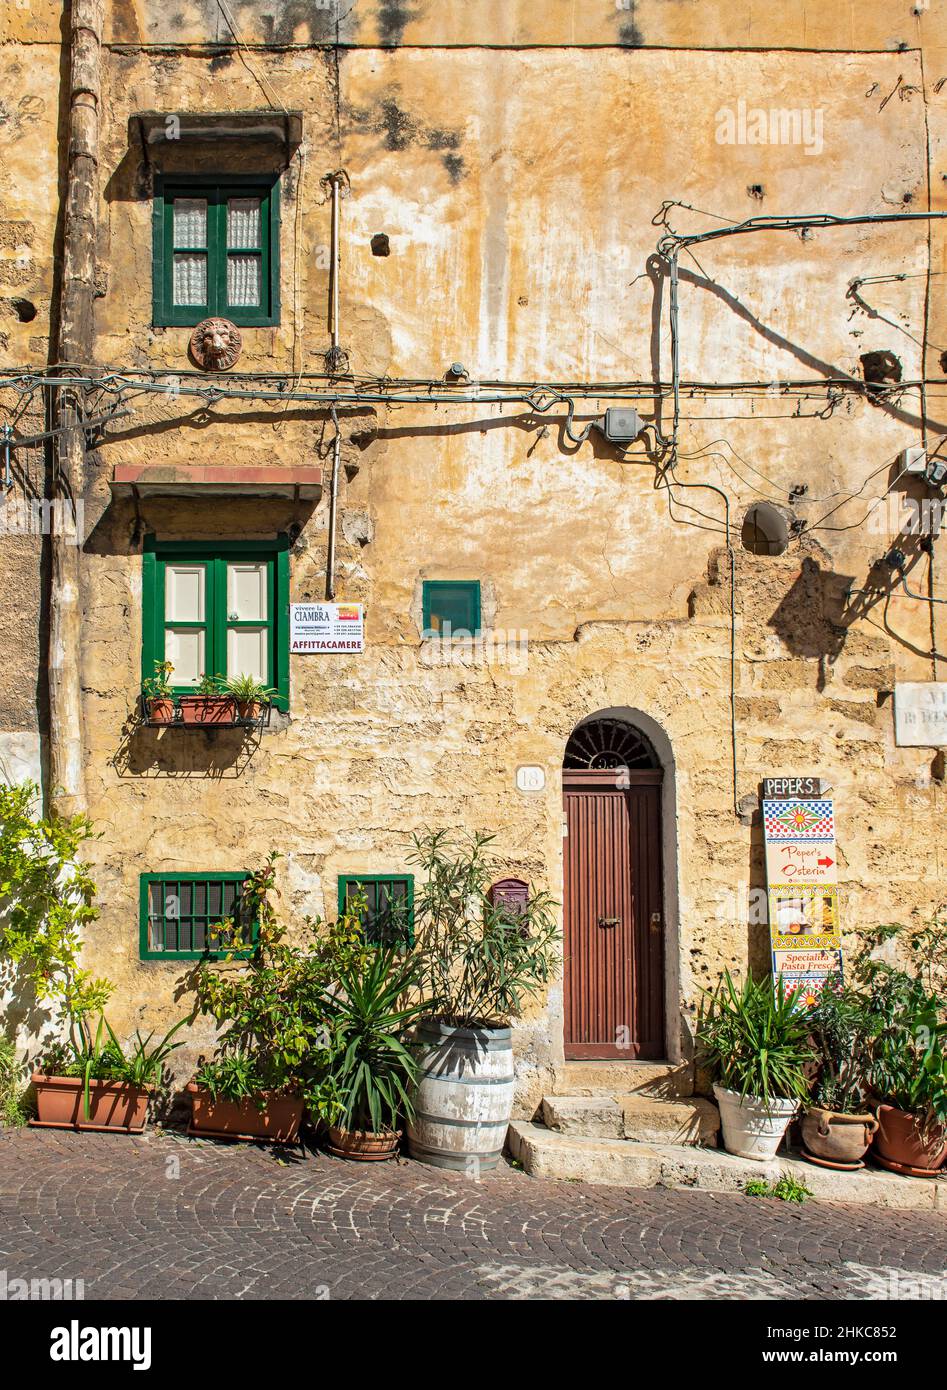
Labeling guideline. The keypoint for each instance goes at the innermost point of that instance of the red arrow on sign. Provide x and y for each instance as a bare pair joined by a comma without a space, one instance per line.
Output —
826,862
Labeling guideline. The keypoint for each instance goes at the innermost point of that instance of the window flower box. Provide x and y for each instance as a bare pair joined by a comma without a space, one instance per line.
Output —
207,709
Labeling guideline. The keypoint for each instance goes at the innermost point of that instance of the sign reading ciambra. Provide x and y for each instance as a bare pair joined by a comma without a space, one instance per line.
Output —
805,935
326,628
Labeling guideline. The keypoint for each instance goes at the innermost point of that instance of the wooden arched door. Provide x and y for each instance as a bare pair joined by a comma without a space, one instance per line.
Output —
613,907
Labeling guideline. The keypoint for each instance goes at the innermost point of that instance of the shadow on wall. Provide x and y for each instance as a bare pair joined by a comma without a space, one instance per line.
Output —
27,1021
184,752
808,618
758,955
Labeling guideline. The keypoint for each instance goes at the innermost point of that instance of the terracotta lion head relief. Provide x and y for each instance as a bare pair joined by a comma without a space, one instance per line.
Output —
215,345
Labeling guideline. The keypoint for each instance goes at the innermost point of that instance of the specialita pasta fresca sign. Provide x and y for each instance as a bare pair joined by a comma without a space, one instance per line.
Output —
325,628
802,876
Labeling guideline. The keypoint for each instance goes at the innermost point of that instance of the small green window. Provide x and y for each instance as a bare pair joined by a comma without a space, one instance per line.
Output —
187,916
388,916
216,250
451,607
220,610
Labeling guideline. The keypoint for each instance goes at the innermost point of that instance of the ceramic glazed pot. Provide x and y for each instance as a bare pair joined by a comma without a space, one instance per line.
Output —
752,1129
902,1145
837,1138
226,1119
362,1145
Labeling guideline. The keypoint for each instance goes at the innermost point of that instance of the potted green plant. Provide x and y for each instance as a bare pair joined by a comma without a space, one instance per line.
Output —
371,1071
159,697
237,1096
210,703
268,999
906,986
907,1065
249,694
837,1126
479,963
91,1082
755,1039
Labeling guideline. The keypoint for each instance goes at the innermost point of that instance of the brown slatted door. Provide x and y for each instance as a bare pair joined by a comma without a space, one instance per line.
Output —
614,980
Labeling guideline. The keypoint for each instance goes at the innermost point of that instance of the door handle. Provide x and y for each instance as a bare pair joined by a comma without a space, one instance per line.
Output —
655,921
609,921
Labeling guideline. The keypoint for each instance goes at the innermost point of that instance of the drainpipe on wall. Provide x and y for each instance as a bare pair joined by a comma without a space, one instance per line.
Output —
66,793
335,360
333,507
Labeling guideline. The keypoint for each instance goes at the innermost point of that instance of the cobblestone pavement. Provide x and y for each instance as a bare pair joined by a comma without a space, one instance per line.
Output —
167,1217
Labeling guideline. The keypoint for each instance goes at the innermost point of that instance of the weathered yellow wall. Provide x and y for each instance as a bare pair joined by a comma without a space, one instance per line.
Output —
518,189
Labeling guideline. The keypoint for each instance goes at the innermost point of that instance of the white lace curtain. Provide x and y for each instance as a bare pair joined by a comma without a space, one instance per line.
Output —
244,265
243,272
190,269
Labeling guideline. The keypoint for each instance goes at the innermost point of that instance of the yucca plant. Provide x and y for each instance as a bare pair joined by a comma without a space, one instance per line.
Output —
372,1071
756,1039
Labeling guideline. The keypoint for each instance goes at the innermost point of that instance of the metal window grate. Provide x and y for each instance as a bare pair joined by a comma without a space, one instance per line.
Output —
388,916
186,913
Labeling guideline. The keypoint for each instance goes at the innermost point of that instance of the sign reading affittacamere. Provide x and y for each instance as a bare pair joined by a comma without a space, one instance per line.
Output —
326,627
802,874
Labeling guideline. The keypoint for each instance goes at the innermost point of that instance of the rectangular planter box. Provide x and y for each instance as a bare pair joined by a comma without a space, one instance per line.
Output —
113,1105
224,1119
207,709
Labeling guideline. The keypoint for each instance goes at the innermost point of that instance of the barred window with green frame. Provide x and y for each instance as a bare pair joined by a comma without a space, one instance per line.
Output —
217,608
388,913
189,916
216,249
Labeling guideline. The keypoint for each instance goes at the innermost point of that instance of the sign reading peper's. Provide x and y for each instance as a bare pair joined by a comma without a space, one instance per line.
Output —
319,628
793,788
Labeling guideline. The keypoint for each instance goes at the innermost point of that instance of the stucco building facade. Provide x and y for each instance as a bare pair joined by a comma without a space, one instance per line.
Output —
508,176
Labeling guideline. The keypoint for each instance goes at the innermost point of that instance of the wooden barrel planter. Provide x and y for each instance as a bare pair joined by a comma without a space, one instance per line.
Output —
464,1096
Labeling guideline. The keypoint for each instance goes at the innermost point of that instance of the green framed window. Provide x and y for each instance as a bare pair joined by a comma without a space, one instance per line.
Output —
182,916
220,609
388,916
216,249
451,607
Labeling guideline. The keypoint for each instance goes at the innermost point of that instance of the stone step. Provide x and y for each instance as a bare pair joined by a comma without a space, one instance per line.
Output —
691,1121
624,1163
665,1079
640,1117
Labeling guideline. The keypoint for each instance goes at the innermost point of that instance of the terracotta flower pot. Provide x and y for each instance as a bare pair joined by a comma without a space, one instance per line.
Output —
226,1119
112,1104
207,709
836,1139
362,1145
248,709
161,709
903,1146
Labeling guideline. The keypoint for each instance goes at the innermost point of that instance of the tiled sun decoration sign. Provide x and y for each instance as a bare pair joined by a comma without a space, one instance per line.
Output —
326,627
802,877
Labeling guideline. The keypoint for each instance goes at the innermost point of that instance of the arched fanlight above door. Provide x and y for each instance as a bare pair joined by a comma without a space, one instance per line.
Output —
608,743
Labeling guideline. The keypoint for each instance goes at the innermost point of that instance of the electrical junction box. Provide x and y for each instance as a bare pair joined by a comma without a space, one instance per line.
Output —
622,424
914,459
